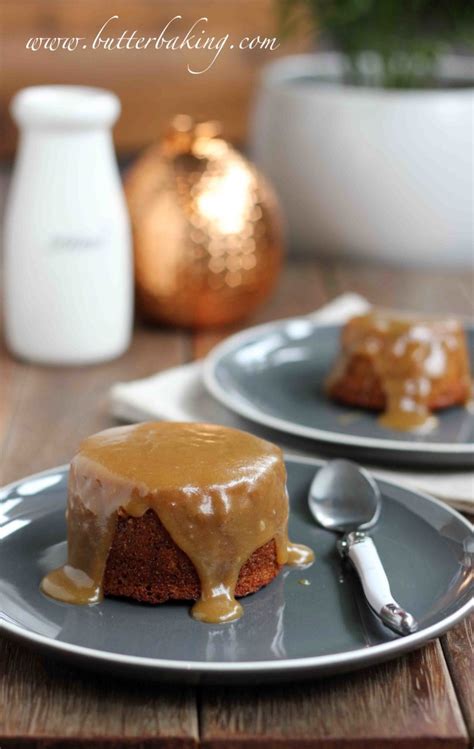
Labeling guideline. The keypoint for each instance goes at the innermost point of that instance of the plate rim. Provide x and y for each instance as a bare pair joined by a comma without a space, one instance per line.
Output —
360,656
239,404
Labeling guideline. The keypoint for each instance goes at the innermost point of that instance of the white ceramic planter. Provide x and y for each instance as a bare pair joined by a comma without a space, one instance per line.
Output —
369,173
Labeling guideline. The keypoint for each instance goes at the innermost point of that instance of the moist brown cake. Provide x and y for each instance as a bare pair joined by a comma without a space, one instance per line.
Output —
144,563
161,511
402,365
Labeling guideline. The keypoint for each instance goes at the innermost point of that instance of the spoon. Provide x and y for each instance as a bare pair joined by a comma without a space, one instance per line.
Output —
345,498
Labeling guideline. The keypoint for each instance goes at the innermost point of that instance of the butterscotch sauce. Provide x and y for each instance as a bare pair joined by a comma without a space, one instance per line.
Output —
410,355
220,493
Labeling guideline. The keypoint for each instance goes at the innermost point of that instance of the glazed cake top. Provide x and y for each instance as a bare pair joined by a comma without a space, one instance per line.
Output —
395,323
219,492
160,456
410,353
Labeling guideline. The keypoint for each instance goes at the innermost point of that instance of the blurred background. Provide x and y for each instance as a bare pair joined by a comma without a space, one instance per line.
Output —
349,137
152,86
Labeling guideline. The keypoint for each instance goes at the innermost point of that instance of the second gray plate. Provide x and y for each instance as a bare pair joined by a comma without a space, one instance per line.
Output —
290,630
274,375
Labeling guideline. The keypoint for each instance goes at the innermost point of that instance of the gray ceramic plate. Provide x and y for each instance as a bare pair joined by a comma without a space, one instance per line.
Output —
289,630
274,375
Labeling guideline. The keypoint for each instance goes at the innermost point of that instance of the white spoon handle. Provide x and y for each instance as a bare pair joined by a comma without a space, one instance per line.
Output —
360,549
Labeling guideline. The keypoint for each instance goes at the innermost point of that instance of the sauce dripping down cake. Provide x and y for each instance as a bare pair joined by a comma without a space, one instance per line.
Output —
403,365
161,511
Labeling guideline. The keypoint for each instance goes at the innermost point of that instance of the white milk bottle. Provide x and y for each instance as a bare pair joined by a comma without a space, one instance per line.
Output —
68,278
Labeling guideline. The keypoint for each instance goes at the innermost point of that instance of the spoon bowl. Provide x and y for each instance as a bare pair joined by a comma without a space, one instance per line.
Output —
344,496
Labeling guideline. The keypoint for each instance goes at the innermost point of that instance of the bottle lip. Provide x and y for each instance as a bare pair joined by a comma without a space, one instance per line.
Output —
64,106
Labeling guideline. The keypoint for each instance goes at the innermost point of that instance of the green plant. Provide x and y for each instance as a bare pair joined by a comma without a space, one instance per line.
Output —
407,36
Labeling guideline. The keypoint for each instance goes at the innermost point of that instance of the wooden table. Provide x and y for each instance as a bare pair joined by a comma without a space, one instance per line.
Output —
422,700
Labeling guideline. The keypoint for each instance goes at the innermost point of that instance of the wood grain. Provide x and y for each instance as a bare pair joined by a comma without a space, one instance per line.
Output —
43,704
458,646
406,703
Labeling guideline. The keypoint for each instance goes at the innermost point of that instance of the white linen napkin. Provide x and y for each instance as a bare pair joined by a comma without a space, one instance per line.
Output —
178,394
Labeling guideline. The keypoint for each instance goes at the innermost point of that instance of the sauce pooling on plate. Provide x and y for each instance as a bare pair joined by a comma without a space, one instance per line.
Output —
420,363
220,493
